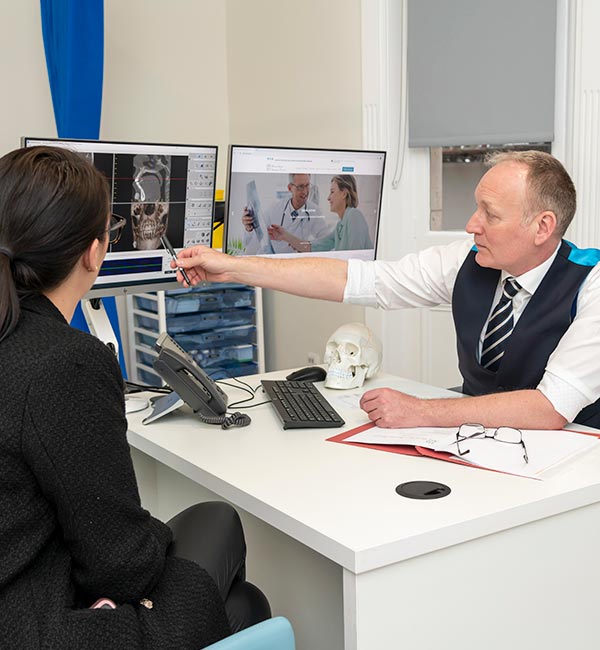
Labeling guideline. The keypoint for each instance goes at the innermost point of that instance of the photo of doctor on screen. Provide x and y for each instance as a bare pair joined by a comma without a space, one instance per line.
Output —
279,213
298,213
351,231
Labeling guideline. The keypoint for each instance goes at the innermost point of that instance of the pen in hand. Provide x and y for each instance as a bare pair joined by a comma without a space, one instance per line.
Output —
167,244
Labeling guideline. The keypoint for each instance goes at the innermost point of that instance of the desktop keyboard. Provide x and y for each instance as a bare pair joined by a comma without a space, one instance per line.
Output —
300,405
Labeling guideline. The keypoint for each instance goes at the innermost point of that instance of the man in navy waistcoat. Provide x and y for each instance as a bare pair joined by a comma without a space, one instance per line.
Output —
525,302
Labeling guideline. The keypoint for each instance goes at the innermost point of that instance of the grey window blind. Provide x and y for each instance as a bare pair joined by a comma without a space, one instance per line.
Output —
480,71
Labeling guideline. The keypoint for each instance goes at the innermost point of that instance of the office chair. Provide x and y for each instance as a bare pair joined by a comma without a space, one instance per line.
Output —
272,634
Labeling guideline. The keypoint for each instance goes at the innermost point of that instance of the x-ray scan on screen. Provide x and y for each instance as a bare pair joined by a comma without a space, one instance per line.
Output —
159,189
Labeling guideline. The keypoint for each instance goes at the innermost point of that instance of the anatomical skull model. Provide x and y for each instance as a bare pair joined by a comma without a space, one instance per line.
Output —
352,354
150,204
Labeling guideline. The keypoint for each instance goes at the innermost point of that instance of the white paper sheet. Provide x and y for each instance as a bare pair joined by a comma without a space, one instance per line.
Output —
546,449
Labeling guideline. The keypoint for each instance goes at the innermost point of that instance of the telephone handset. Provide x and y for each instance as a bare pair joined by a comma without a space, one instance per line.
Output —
192,386
188,380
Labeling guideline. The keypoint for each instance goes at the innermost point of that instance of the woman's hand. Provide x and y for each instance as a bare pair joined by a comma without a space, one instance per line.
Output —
281,234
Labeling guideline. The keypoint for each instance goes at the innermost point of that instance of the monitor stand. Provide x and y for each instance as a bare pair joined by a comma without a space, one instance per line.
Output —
101,327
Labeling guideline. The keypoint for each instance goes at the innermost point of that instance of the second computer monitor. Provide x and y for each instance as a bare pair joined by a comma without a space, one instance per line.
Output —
291,202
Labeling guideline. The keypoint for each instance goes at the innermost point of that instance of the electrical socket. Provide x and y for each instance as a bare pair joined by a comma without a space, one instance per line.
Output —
313,357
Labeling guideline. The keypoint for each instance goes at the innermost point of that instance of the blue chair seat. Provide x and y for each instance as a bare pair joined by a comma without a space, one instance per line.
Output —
272,634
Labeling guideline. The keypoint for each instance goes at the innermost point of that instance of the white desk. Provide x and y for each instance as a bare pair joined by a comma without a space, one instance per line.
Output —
501,562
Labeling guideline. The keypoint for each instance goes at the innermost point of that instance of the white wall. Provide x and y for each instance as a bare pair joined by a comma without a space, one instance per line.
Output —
294,73
26,105
580,131
165,75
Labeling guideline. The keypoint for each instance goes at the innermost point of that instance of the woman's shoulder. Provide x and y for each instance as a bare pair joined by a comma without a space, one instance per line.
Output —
82,349
58,347
354,215
75,372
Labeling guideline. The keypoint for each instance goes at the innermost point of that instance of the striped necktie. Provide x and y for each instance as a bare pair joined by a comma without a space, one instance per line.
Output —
499,327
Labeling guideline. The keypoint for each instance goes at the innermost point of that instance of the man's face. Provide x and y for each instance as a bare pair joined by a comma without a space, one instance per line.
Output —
299,187
503,241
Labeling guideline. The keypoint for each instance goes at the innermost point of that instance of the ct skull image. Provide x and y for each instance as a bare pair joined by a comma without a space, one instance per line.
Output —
352,354
150,204
149,224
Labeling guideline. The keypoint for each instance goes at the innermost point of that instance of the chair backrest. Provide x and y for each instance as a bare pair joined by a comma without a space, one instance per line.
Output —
272,634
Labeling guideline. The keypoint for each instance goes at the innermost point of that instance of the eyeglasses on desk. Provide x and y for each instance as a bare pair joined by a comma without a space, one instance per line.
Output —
469,431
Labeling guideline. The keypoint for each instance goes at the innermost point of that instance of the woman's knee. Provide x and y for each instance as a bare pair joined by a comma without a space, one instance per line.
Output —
211,535
246,605
203,522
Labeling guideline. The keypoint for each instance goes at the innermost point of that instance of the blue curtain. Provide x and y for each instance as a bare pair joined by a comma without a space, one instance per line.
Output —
73,32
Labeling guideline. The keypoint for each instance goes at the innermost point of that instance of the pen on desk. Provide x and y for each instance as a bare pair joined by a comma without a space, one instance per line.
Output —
167,244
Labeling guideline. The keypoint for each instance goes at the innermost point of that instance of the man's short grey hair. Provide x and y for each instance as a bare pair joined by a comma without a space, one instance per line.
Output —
549,186
293,176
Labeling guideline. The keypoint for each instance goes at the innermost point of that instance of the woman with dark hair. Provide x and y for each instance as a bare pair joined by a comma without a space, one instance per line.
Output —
72,530
350,233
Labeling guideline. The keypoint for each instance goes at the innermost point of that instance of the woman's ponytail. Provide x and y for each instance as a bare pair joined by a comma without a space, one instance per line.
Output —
9,300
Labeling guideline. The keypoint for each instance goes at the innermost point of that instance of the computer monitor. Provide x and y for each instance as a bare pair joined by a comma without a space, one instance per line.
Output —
290,202
159,189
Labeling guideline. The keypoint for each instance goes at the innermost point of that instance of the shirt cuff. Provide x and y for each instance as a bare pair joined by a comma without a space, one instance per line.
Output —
564,397
360,283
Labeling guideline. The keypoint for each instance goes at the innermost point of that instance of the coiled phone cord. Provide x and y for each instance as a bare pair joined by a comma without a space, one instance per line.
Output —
236,419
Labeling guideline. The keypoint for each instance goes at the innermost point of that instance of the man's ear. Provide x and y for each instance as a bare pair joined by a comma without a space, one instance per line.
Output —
546,226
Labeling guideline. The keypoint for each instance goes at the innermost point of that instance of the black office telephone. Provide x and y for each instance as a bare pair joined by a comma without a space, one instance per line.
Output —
187,379
190,385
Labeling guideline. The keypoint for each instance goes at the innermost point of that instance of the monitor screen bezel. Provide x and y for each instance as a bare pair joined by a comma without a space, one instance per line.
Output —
125,287
230,150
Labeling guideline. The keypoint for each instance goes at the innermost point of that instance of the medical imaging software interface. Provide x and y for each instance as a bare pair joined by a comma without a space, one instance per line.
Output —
160,190
276,192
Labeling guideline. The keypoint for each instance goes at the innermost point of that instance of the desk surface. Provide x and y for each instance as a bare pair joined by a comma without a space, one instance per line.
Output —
340,500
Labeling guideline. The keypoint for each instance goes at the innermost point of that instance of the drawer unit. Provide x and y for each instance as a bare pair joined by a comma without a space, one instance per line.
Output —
202,321
196,301
219,325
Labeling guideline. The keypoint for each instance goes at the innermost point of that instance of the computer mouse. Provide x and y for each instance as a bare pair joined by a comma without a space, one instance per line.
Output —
312,373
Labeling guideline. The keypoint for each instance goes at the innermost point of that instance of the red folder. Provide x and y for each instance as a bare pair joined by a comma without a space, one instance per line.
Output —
412,450
406,450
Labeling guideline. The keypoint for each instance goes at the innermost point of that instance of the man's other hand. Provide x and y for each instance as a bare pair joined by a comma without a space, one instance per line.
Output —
248,219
